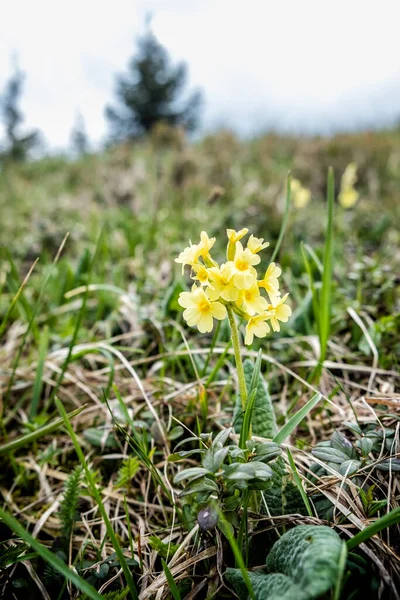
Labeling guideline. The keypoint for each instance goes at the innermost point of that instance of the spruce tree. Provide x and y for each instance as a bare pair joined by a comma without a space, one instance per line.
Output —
16,146
150,93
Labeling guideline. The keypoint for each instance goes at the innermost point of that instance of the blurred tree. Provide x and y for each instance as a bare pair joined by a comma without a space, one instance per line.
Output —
16,146
79,138
150,93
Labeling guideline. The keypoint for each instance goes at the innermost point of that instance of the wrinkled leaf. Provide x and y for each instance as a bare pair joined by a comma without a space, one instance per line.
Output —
310,555
263,421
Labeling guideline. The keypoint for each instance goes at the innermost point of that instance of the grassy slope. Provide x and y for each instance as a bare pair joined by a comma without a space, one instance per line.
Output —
129,212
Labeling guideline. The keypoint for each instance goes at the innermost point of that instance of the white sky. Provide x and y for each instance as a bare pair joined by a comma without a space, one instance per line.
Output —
301,65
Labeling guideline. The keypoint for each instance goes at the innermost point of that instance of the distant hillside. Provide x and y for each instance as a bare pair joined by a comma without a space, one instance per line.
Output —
168,182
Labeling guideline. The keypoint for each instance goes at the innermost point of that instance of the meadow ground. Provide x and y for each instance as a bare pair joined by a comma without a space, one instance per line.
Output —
91,503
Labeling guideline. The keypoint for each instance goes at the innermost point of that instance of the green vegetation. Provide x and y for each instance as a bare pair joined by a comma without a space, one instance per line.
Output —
130,466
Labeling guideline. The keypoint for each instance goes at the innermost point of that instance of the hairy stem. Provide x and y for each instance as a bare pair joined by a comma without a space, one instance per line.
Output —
238,358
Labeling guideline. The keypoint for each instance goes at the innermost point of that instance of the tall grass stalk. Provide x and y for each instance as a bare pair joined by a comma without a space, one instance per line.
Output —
96,494
49,556
322,293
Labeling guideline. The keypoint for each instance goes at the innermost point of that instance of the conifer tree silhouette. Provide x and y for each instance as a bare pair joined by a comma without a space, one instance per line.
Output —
150,93
16,146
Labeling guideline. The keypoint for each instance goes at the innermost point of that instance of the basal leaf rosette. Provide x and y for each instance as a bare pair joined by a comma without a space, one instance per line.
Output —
233,285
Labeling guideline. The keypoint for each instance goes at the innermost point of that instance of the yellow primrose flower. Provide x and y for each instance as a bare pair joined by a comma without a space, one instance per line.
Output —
257,326
201,274
200,311
256,244
301,195
270,282
251,300
221,283
244,272
302,198
206,244
189,256
348,195
348,198
235,236
281,312
349,177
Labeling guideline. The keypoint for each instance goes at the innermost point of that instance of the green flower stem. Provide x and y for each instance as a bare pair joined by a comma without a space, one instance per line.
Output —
238,358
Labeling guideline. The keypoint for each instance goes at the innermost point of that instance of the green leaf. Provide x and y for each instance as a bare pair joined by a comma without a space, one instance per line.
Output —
328,454
305,563
283,496
349,467
274,586
248,471
200,485
296,419
267,451
365,444
191,473
390,464
310,555
297,481
100,438
263,422
340,442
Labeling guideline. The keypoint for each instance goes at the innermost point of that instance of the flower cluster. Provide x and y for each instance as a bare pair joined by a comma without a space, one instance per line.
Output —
348,195
301,195
234,284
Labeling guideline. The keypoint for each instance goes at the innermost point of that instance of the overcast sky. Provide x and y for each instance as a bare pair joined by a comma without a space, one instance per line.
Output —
304,66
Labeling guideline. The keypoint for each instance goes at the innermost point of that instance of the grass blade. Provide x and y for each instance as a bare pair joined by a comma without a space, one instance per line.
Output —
226,529
34,435
97,497
342,566
388,520
49,557
326,291
297,481
38,385
171,581
314,295
18,290
15,299
296,419
31,324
